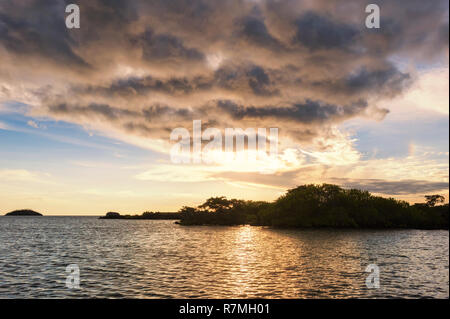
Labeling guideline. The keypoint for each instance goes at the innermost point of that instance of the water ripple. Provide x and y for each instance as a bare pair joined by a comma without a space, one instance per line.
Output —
158,259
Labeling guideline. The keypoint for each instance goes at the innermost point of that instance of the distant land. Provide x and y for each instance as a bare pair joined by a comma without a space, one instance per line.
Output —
145,215
312,206
23,212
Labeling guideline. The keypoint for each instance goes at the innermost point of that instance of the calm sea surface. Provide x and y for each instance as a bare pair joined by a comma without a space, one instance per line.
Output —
159,259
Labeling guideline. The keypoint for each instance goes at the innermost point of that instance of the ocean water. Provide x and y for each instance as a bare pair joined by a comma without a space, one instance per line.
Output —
159,259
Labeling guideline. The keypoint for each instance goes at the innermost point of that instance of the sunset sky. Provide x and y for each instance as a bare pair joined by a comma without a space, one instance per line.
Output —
86,114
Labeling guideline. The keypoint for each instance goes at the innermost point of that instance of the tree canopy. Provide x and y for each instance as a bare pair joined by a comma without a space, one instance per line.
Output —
432,200
323,205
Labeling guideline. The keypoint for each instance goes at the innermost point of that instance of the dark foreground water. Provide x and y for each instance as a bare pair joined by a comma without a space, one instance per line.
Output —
159,259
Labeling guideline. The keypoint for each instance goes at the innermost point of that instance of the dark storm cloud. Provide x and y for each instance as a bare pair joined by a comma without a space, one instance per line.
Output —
145,85
259,81
98,110
318,32
403,187
38,30
302,121
251,78
175,28
254,30
166,46
148,113
156,111
307,112
307,63
364,79
387,81
413,28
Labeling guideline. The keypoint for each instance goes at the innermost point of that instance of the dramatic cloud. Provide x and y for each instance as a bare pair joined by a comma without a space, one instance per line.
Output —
135,70
34,29
165,47
317,32
308,112
135,54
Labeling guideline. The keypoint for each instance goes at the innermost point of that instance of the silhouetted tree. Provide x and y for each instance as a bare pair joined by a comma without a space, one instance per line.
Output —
217,204
187,210
432,200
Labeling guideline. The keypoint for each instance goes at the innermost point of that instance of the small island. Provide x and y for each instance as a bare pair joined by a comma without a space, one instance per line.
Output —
23,212
145,215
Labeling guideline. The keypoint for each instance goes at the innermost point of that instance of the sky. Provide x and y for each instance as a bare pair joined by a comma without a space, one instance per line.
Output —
86,114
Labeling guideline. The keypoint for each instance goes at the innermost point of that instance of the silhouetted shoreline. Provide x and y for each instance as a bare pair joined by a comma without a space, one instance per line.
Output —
146,215
312,206
23,212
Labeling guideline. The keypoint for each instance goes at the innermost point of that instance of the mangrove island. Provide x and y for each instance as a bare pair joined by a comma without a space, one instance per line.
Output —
318,206
145,215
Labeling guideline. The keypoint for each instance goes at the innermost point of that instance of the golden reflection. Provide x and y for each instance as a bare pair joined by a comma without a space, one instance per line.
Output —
244,252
